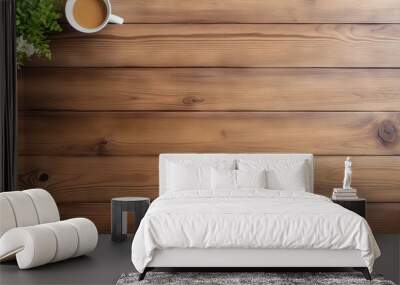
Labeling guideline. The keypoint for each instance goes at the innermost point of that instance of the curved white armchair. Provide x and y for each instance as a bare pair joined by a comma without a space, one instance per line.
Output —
31,230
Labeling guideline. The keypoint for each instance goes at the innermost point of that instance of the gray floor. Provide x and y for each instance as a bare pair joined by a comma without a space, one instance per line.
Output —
389,263
111,259
103,266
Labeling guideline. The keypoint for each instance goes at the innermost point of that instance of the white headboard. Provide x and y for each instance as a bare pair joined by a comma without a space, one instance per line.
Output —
164,158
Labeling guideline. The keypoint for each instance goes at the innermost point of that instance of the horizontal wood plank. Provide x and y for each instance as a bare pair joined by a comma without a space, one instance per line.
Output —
98,213
90,179
68,179
382,217
151,133
247,45
258,11
209,89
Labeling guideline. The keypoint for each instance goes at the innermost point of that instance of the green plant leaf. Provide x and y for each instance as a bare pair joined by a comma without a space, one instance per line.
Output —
35,19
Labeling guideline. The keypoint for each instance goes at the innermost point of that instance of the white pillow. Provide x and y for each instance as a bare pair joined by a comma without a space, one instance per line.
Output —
223,179
188,177
226,179
288,174
187,174
291,179
251,178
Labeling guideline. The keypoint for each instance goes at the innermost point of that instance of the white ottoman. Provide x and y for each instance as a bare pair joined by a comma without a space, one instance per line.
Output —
31,232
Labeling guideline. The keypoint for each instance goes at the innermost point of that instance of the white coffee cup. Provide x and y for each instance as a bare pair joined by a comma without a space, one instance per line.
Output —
110,18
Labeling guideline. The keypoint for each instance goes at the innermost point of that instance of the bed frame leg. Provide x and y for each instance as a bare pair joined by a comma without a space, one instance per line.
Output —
364,271
143,274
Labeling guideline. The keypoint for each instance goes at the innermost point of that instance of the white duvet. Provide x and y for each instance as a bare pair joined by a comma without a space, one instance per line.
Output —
250,219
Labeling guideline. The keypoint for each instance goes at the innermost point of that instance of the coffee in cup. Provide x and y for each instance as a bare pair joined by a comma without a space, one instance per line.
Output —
90,16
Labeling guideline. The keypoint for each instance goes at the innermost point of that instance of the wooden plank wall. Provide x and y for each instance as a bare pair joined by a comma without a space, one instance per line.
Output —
216,76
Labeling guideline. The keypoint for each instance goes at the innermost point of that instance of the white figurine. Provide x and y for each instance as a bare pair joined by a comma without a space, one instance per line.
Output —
347,174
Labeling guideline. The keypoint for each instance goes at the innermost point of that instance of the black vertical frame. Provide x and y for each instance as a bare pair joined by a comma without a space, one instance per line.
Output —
8,100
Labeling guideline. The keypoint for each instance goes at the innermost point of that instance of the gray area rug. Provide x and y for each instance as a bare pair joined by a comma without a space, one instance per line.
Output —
269,278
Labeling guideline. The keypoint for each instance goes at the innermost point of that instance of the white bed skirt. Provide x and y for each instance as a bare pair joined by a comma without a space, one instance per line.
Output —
189,257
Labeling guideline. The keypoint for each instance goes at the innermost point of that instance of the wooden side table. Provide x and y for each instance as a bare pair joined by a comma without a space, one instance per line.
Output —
119,208
358,206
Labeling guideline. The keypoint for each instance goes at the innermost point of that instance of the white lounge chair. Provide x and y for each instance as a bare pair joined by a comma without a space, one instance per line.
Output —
31,230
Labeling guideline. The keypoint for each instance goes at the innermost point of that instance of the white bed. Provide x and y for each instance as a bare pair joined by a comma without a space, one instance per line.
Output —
249,227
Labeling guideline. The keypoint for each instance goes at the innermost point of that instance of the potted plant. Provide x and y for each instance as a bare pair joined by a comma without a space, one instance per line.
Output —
34,20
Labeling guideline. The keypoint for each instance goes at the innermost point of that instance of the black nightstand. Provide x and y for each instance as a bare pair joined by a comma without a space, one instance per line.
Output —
119,208
357,206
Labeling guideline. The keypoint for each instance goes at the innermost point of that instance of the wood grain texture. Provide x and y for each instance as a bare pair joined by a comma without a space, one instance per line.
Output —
151,133
68,180
258,11
209,89
382,217
98,213
247,45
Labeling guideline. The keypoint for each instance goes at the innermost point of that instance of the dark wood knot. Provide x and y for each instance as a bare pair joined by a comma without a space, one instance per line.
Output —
43,177
223,133
387,132
101,146
190,100
103,142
